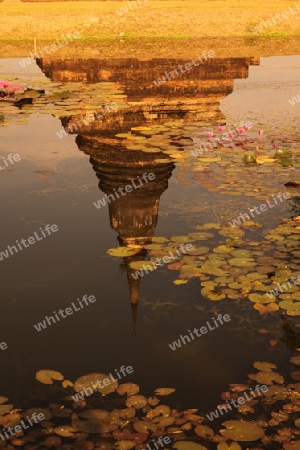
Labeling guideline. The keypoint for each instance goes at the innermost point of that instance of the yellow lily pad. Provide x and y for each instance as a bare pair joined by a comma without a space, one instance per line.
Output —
242,262
262,298
95,382
122,252
47,376
164,391
187,445
242,431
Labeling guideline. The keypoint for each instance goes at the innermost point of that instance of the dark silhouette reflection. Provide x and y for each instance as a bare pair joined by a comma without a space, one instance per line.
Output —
291,336
192,96
134,215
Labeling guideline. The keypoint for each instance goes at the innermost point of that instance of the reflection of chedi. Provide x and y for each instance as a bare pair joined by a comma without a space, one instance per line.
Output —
134,215
191,96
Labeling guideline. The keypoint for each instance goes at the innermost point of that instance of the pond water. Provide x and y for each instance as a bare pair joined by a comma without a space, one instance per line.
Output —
201,184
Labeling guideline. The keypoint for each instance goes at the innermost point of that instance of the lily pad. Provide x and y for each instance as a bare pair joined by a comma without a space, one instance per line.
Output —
95,381
242,431
122,252
47,376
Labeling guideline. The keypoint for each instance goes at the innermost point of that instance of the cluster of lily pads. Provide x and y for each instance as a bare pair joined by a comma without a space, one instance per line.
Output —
59,99
239,165
238,267
118,416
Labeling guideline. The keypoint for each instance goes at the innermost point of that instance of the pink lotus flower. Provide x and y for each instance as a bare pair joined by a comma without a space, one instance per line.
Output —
274,145
6,84
246,127
210,134
260,132
230,136
16,88
241,131
221,127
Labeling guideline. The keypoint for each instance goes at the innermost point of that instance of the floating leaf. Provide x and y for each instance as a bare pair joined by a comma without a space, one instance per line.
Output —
128,388
47,376
143,265
187,445
122,252
164,391
65,431
204,431
242,262
136,401
262,298
242,431
264,366
46,412
92,382
295,360
269,377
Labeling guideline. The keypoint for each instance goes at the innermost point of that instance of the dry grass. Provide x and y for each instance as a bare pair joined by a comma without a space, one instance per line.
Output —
147,26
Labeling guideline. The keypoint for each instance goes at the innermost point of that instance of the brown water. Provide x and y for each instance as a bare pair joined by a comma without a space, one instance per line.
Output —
58,180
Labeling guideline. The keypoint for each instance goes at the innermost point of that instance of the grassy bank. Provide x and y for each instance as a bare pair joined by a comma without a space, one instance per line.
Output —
147,27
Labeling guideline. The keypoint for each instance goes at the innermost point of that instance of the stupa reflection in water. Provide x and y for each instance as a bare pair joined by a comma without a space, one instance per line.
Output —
134,215
194,96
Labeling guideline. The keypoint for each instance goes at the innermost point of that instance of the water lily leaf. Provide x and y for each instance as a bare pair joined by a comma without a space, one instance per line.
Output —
142,265
295,360
47,376
265,309
142,128
269,377
94,414
291,445
215,296
5,409
65,431
295,375
223,249
92,382
181,239
159,239
142,426
204,431
46,412
123,251
128,388
264,366
164,391
232,446
201,236
180,282
242,262
242,431
264,159
262,298
125,445
136,401
67,383
187,445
